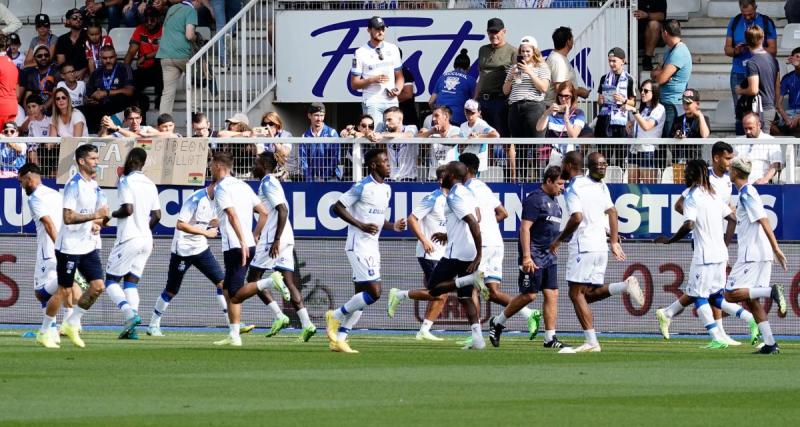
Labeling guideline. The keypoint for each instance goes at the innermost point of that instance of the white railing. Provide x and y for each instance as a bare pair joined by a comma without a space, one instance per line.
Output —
234,70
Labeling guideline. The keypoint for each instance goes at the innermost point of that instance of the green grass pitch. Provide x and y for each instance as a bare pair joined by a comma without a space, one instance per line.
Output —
182,379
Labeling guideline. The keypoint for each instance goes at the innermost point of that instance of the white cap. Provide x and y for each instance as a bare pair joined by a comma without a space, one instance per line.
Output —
529,40
239,118
472,105
742,163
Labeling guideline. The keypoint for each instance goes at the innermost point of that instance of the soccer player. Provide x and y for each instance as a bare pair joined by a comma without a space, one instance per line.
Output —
588,203
235,202
138,213
704,216
76,246
541,220
363,207
427,219
750,277
275,249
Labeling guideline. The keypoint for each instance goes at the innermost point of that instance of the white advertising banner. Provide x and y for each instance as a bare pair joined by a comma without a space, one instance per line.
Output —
315,48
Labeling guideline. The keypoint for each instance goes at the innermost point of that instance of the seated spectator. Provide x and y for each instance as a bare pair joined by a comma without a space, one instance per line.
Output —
789,119
645,122
133,123
110,89
95,40
272,127
319,161
76,88
37,123
365,127
440,153
39,80
562,120
71,47
142,49
14,43
476,127
237,126
12,154
692,124
111,10
402,156
767,159
66,121
166,126
43,38
650,17
616,89
201,128
12,23
454,88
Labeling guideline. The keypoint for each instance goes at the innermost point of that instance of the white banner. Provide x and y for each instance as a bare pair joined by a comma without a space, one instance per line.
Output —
315,48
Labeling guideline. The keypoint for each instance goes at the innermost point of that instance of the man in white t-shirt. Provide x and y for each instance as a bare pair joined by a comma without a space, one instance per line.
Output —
750,277
363,207
476,127
139,212
377,72
402,156
440,153
588,205
560,68
766,159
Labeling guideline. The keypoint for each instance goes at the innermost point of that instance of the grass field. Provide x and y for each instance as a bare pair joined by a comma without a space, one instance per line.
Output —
182,379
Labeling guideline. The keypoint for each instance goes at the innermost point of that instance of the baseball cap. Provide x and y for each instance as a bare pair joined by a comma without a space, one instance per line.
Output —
41,47
239,118
72,12
494,25
529,40
42,20
617,52
9,125
742,163
376,22
472,105
690,95
316,107
13,38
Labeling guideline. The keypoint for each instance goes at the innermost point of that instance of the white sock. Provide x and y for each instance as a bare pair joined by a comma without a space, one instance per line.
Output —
47,322
426,326
617,288
673,309
500,319
158,310
401,295
549,335
720,327
223,305
276,310
591,337
348,324
305,321
68,312
731,309
357,302
132,295
525,312
75,318
476,332
766,333
744,314
234,328
264,283
707,317
114,291
467,280
760,293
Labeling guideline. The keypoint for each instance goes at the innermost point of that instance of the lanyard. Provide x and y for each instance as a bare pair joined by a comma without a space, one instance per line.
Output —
43,80
108,81
685,128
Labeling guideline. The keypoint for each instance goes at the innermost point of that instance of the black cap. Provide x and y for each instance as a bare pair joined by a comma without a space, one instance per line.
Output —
376,22
73,11
42,20
13,38
690,95
495,25
316,107
9,125
617,52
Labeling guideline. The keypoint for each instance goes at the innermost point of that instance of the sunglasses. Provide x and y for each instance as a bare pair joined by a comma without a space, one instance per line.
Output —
561,95
380,54
61,98
9,131
365,125
42,56
76,18
270,124
646,91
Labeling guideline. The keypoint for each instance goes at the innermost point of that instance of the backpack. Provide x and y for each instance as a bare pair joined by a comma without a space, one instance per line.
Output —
767,23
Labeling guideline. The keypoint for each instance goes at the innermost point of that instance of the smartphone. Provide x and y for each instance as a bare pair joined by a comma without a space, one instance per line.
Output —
520,59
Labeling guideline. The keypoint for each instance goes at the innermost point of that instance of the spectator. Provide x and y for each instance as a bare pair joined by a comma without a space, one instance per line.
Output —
562,120
94,42
9,79
494,60
76,88
674,73
175,49
272,127
789,120
767,158
792,11
162,6
12,154
440,153
66,121
406,98
762,77
43,37
692,124
616,90
650,17
37,124
560,68
143,49
646,122
14,53
110,9
71,47
402,156
364,128
319,161
201,128
166,126
39,80
377,71
133,129
237,126
476,128
454,88
12,23
223,11
110,89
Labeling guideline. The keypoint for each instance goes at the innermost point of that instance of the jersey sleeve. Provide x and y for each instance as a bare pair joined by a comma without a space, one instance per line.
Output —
124,192
530,209
574,204
189,207
462,205
356,66
352,195
753,205
71,196
690,208
276,196
425,206
397,63
607,202
223,198
37,208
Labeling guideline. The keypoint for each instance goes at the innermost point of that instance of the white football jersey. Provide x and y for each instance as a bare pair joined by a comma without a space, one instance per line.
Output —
592,199
490,229
199,212
431,216
80,196
723,188
138,190
270,191
753,242
234,193
382,60
460,244
368,202
708,214
45,202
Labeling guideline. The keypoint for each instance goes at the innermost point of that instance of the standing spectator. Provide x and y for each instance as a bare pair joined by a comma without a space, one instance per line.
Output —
110,89
133,128
402,156
789,120
43,37
175,49
454,88
71,47
560,68
16,56
39,80
66,121
143,49
76,88
377,72
762,77
616,90
406,98
111,9
494,60
650,17
12,154
9,79
646,122
224,10
792,11
674,73
95,40
440,153
12,23
476,128
319,161
563,120
692,124
767,158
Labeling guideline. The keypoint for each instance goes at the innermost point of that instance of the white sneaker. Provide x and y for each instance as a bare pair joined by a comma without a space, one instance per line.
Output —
475,345
730,341
56,334
588,348
566,350
154,331
634,291
231,341
427,336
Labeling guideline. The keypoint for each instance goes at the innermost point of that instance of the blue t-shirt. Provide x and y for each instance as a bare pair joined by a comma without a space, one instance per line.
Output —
790,86
453,89
10,160
545,213
680,57
737,35
320,161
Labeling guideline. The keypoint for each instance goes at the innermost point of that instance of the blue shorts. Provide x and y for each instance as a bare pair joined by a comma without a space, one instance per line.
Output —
427,267
234,270
448,269
541,278
179,265
88,265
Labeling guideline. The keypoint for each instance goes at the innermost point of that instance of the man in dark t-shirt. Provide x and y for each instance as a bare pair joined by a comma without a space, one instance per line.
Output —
541,221
692,124
109,90
71,47
407,100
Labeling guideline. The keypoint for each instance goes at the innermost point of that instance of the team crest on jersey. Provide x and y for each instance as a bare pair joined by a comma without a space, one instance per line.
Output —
578,259
371,272
451,83
70,266
182,266
355,63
